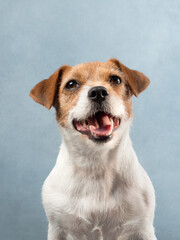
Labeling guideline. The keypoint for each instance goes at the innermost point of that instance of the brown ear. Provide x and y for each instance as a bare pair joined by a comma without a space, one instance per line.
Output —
137,81
45,91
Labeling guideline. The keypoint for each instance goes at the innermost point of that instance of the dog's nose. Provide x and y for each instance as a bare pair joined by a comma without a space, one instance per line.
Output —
98,94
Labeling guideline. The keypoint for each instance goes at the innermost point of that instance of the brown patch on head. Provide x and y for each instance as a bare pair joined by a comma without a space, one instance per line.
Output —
122,91
67,100
45,91
137,81
52,92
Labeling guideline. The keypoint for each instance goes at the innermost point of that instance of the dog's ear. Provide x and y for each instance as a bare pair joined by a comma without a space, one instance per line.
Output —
137,81
45,91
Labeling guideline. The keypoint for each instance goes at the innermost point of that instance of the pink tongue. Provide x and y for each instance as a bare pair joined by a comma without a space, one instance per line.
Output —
104,120
100,124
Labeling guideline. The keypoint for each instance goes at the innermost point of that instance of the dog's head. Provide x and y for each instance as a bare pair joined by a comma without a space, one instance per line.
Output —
92,100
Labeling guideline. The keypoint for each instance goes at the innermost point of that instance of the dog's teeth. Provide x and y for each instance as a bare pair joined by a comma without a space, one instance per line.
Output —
112,124
90,128
84,124
92,133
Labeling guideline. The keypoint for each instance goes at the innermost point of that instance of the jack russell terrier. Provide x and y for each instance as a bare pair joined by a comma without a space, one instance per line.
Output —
97,190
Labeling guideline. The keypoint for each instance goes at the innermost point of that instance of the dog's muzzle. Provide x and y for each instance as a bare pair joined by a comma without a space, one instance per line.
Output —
99,124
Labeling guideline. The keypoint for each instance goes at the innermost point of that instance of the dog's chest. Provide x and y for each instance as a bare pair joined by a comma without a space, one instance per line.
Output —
92,206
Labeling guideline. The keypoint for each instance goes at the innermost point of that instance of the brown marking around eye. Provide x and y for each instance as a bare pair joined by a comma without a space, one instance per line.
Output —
122,90
67,99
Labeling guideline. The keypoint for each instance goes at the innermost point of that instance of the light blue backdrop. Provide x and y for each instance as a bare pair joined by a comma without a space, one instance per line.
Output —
38,36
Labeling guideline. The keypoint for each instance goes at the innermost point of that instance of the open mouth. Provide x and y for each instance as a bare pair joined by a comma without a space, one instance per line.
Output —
98,127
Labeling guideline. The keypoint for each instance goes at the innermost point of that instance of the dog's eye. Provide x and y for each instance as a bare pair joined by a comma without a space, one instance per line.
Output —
72,84
115,80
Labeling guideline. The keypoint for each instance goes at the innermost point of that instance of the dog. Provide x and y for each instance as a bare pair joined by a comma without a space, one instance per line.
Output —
97,190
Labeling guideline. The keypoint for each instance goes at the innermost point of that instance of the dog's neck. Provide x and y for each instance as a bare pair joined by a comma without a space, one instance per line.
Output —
93,163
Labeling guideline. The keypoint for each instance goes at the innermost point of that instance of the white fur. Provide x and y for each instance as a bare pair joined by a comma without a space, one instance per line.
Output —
72,191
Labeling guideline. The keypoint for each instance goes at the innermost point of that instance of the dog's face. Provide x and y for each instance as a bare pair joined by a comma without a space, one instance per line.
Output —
92,100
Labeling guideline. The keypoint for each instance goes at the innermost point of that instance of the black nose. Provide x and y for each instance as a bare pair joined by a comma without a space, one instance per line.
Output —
98,94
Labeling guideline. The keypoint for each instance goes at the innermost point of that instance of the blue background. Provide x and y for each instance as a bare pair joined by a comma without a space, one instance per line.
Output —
38,36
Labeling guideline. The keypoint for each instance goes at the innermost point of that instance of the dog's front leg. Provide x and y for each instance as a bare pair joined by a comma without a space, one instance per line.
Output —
55,233
140,238
149,235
